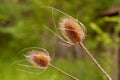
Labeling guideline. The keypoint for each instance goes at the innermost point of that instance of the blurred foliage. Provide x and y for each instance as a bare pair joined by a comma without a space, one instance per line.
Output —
77,69
21,26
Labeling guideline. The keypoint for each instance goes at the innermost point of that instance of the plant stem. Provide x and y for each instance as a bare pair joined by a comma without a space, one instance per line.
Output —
94,60
74,78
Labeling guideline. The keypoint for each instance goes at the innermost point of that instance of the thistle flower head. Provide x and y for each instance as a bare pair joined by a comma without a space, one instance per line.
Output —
72,30
38,58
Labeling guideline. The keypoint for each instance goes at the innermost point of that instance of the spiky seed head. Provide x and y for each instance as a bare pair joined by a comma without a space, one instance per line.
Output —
38,58
72,30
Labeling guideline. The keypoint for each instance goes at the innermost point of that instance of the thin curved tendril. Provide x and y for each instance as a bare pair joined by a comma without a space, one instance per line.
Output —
30,48
18,61
28,71
53,20
24,65
65,44
82,25
57,35
57,10
28,66
56,25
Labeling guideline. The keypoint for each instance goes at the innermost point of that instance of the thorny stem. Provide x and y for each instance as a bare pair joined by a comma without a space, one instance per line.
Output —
74,78
94,60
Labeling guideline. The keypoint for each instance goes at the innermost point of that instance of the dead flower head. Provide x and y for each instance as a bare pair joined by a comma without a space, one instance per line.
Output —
72,30
38,58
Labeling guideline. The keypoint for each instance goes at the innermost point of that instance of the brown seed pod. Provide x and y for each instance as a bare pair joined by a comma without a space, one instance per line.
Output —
38,58
72,30
41,60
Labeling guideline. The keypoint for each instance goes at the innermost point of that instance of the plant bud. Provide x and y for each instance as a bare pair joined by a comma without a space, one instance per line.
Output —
72,30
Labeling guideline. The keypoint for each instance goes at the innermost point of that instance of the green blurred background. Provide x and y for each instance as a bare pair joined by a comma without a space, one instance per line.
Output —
21,26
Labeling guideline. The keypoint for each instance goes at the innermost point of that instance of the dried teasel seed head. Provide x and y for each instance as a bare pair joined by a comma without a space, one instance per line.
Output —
72,30
38,58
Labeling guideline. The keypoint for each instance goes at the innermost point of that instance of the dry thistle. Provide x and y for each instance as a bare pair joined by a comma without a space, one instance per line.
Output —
41,59
75,34
72,30
38,58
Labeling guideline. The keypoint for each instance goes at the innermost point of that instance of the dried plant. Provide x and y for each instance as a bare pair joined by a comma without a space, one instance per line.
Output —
41,59
73,31
38,58
75,35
